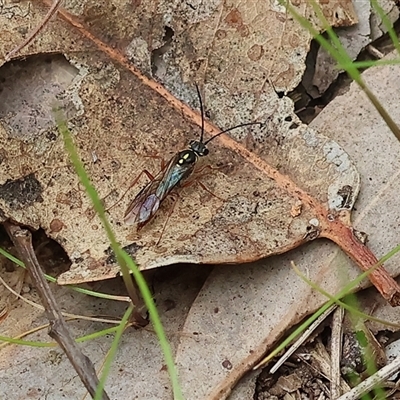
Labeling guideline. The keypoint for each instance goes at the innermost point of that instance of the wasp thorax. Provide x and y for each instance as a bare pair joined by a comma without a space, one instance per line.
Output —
187,157
199,148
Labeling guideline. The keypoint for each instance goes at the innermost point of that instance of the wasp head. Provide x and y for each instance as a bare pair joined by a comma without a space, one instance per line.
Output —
199,148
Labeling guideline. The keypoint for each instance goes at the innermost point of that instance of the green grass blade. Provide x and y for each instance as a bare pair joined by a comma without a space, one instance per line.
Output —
339,54
352,285
54,280
27,342
334,299
81,339
387,24
124,260
111,353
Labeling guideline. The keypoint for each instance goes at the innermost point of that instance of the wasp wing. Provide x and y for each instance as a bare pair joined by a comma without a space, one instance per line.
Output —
148,200
145,204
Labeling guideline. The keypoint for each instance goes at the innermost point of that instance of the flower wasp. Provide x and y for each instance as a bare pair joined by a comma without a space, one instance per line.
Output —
146,203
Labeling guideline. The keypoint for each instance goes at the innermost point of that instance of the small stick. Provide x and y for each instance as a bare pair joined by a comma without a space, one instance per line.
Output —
53,9
303,337
373,381
375,52
22,240
336,352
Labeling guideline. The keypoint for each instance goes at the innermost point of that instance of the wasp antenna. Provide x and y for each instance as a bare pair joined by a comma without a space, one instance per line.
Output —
234,127
202,114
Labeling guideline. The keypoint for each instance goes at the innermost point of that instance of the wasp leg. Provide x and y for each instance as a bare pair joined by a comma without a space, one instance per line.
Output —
208,167
203,186
200,174
134,182
157,157
175,197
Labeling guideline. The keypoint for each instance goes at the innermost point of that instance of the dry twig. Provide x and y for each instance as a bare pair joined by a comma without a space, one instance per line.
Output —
303,337
373,381
53,9
22,240
336,352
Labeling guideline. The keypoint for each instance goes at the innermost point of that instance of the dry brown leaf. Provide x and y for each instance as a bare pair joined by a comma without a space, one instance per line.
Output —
265,178
256,304
237,308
